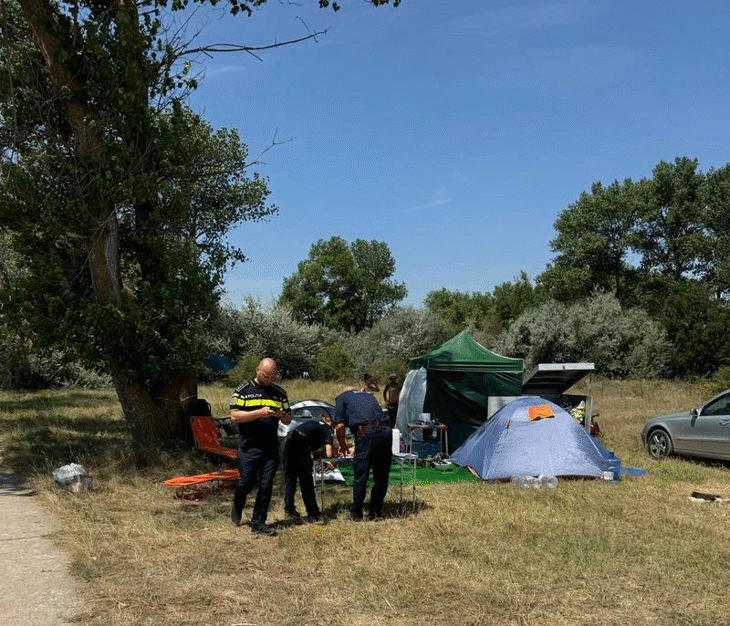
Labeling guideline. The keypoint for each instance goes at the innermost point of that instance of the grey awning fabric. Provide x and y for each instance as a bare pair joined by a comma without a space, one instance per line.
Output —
554,378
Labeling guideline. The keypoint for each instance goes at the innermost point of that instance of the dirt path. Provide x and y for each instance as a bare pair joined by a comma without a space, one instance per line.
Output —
35,584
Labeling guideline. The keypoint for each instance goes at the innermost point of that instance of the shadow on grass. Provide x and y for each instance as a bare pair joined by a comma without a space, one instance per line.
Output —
37,445
43,401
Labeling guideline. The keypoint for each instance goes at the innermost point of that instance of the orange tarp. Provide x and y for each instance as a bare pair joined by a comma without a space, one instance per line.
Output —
539,411
183,481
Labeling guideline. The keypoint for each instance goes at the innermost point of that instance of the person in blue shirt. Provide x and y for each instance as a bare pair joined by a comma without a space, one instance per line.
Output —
296,455
256,407
363,415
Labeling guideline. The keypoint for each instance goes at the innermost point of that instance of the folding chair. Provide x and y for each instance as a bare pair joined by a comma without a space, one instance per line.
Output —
205,435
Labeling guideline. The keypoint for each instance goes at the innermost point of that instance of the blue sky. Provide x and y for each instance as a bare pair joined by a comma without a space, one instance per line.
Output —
456,132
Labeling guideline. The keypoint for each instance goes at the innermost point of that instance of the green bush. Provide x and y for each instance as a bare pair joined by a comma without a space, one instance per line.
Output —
334,363
272,331
719,381
401,335
621,342
245,369
24,367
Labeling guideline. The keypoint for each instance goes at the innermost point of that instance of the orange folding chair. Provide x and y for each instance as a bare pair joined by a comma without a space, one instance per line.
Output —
205,435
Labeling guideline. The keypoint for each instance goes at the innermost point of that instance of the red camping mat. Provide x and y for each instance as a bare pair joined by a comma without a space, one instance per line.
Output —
184,481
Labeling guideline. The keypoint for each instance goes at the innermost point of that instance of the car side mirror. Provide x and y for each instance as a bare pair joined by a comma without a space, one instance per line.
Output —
695,412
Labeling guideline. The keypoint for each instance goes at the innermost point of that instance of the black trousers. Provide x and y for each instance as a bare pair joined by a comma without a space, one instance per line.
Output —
392,409
372,450
297,462
256,465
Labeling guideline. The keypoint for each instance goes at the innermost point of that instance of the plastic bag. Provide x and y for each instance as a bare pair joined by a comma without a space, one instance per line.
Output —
72,477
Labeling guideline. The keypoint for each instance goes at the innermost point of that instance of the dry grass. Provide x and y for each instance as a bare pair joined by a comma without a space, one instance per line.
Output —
589,553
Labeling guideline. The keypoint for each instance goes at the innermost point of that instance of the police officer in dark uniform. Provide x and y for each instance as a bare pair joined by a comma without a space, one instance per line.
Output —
257,406
360,411
296,454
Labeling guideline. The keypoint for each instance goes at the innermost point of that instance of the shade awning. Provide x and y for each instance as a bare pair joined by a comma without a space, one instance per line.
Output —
554,378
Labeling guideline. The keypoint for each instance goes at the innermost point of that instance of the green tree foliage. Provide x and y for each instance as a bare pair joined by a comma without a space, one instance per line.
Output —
564,282
716,266
511,299
621,342
486,314
662,244
671,237
697,324
594,237
344,287
461,309
118,196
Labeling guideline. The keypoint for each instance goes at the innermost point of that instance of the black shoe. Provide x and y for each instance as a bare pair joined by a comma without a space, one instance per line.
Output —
356,518
263,529
235,516
315,519
293,515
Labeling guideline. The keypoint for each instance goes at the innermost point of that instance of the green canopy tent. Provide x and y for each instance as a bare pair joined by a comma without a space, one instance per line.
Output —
460,377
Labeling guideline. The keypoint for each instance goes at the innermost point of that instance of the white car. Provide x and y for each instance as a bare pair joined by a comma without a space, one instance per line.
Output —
304,411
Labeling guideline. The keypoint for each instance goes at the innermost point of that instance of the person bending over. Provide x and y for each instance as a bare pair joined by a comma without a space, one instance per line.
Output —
360,411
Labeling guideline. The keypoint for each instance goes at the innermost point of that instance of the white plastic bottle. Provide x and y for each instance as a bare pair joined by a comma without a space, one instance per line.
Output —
548,480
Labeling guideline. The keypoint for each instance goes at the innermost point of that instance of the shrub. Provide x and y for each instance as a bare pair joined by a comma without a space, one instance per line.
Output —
719,381
334,363
24,367
272,331
399,336
621,342
245,369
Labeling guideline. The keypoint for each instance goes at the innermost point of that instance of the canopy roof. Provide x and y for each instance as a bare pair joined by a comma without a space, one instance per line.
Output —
462,353
554,377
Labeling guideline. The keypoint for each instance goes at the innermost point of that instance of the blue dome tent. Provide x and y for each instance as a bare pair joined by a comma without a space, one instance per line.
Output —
533,436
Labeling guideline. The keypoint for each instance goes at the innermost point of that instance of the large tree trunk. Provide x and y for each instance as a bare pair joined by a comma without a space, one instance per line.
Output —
154,415
155,419
140,410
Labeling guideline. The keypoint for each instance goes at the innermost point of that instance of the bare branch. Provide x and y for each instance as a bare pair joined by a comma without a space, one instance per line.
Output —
229,47
273,143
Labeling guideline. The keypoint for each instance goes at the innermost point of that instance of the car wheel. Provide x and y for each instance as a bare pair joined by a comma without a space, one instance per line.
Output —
659,444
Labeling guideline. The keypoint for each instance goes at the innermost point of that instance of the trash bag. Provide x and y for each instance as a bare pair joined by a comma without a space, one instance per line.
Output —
72,477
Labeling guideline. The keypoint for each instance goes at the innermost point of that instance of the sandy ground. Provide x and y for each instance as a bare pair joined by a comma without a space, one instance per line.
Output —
35,584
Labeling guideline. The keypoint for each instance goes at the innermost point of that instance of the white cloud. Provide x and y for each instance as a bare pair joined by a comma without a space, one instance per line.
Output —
438,198
224,70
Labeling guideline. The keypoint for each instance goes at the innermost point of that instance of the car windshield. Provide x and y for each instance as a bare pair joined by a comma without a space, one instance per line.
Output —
311,412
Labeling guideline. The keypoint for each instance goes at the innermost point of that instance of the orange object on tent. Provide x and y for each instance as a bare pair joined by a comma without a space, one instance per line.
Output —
206,437
539,411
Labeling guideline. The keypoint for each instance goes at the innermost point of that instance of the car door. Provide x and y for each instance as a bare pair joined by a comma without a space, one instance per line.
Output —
710,434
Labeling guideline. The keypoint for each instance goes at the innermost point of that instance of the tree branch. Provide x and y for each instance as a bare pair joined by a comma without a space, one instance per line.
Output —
229,47
273,143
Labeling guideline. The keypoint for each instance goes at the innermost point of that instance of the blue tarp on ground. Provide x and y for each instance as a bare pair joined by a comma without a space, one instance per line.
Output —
511,444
